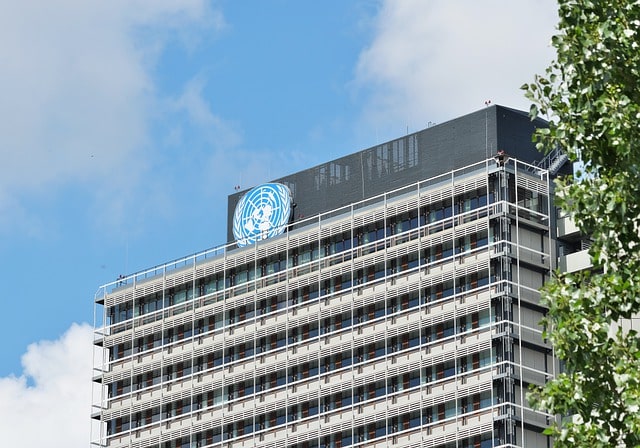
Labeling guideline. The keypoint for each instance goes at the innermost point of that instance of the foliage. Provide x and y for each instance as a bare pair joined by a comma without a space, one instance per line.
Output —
591,95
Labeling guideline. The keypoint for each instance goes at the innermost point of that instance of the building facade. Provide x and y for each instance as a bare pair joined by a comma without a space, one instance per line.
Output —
399,307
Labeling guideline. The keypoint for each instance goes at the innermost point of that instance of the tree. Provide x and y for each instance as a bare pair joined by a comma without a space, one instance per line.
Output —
591,96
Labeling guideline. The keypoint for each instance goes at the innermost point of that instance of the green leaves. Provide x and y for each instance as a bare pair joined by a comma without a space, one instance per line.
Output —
591,94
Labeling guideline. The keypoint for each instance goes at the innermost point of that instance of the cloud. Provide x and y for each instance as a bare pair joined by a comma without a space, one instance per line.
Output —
212,128
77,89
436,60
222,155
50,403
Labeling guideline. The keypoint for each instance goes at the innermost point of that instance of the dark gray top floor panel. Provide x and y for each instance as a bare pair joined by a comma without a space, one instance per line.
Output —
421,155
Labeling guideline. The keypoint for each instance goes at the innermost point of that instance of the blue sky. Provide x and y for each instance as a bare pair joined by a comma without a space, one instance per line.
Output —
125,125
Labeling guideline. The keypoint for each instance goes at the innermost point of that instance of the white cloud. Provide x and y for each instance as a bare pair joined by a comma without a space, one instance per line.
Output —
211,127
224,161
435,60
77,88
50,404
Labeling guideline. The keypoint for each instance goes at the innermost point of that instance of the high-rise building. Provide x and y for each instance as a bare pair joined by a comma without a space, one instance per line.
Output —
386,298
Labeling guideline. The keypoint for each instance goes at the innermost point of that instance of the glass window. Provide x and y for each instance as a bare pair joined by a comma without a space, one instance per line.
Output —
449,369
448,329
447,249
449,409
484,318
242,277
179,297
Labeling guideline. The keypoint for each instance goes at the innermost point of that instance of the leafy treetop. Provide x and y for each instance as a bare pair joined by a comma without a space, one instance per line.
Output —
591,95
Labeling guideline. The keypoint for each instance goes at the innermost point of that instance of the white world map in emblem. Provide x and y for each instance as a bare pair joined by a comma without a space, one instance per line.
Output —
261,213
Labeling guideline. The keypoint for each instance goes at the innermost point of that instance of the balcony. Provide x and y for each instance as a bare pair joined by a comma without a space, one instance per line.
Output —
574,262
567,228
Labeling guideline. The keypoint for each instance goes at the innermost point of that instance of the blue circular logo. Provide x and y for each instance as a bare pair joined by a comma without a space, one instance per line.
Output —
262,213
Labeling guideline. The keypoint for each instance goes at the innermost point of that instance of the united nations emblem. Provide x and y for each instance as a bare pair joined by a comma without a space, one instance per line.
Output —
262,213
